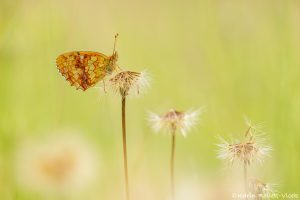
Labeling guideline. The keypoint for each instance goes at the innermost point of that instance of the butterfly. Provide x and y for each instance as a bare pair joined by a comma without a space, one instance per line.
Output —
84,69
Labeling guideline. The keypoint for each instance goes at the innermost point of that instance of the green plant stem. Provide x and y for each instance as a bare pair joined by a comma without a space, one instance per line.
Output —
125,147
172,166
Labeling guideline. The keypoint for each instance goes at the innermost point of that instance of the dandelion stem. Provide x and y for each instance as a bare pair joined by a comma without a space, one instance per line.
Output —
125,146
172,165
246,178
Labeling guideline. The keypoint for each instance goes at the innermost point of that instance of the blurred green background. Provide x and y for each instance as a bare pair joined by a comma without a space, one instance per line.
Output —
234,57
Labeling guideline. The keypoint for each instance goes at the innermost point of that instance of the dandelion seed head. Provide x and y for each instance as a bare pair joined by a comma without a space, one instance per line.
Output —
128,82
62,163
246,151
259,187
174,120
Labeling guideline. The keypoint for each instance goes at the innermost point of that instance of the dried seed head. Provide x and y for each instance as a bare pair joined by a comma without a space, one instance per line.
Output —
60,163
260,188
128,82
173,120
252,148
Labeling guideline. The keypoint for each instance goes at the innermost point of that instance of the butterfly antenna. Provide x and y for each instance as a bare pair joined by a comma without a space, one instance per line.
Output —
118,68
116,37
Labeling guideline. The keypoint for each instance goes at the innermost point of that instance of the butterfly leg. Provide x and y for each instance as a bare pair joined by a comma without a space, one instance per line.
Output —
104,88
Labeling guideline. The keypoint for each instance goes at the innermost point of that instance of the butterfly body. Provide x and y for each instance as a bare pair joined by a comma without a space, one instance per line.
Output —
83,69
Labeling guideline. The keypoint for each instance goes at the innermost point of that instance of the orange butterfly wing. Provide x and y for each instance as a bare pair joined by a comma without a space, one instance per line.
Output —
83,69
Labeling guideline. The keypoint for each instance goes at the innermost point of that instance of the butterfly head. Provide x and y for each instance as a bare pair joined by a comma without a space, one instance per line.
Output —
112,63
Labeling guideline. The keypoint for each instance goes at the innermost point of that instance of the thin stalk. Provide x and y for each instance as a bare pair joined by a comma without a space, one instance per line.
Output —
172,166
258,197
247,131
246,178
125,147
